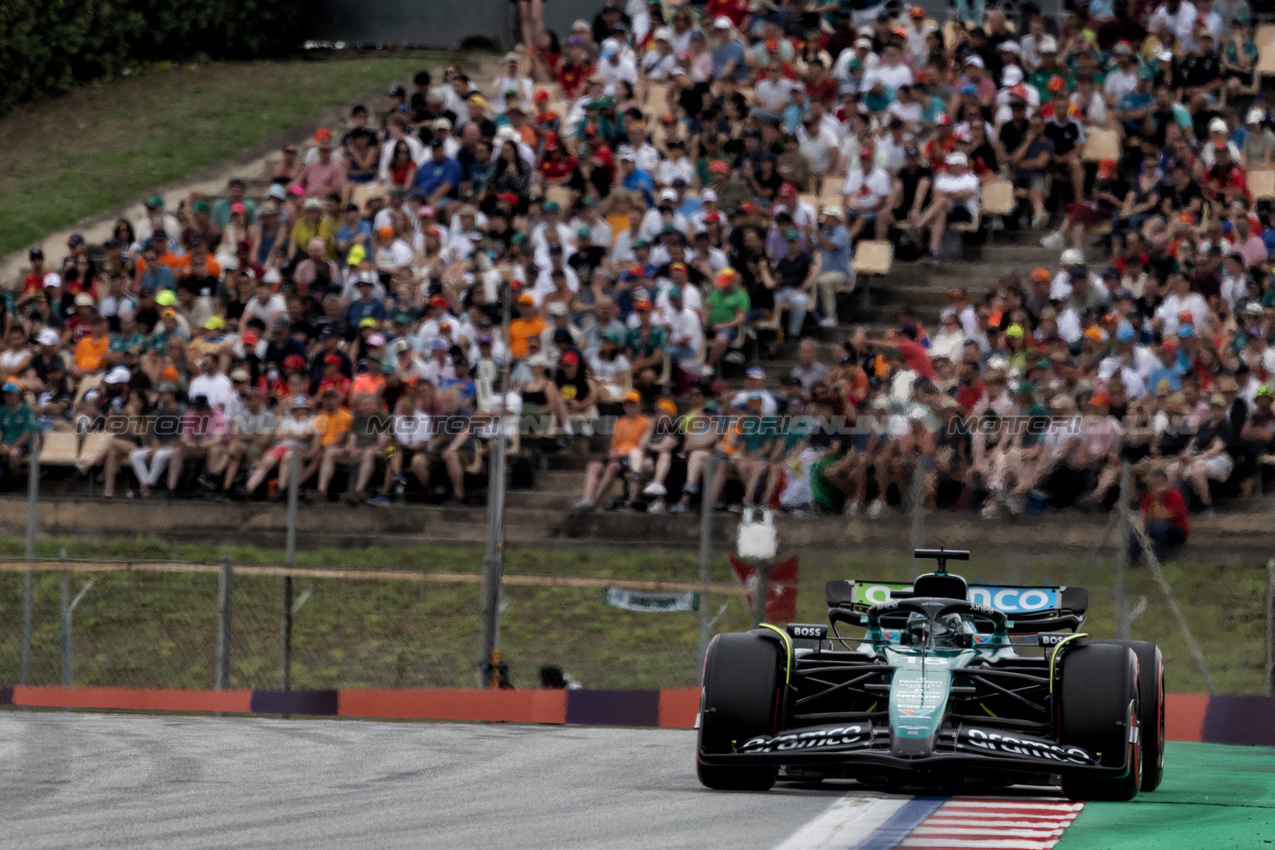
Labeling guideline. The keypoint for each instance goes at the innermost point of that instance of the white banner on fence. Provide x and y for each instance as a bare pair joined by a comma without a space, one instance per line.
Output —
636,600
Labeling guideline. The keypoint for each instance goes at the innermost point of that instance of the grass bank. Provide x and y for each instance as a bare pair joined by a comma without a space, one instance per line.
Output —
76,155
160,630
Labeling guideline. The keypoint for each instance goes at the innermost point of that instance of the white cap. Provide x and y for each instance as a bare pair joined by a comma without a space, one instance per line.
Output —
1165,56
52,279
1072,257
668,195
272,276
863,42
976,61
1217,125
628,156
1255,116
1048,44
1012,76
1010,47
722,22
956,158
610,46
708,196
48,336
662,34
832,211
118,375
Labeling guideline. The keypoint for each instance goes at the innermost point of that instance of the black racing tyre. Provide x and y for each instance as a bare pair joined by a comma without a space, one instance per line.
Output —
743,675
1098,701
1151,695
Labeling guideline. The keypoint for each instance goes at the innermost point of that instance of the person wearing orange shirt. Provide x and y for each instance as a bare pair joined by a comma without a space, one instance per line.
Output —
330,429
90,351
165,257
527,325
627,436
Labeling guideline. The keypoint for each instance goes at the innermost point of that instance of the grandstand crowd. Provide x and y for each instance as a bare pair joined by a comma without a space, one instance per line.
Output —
634,219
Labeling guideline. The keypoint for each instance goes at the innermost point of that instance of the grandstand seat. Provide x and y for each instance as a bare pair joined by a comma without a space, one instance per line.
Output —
60,448
1265,64
1102,144
871,257
1261,183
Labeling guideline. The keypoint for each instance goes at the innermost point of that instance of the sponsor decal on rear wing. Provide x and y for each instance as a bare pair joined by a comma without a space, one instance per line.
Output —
1016,601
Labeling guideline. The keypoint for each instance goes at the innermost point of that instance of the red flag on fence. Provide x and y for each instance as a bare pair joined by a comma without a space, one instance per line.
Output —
781,589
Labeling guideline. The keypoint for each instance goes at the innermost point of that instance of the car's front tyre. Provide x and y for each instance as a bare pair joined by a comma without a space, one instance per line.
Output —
1098,702
743,677
1151,694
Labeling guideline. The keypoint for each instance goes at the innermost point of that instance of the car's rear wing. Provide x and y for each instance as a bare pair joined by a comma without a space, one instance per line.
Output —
1027,605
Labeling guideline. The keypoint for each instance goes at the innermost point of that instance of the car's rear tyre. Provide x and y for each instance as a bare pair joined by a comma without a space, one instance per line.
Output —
1151,695
1098,701
743,675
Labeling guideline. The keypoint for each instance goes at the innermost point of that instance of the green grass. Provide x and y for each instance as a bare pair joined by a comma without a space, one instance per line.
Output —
74,156
160,630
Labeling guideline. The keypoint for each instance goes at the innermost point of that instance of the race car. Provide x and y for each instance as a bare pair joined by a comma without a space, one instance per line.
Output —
933,685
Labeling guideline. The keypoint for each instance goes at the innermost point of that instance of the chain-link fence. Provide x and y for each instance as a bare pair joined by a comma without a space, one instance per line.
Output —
622,605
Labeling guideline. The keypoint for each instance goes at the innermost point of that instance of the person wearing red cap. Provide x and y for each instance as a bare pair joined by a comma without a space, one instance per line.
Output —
918,33
726,313
545,121
575,388
326,175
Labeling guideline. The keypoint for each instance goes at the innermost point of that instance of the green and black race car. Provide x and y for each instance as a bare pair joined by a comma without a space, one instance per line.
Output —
935,684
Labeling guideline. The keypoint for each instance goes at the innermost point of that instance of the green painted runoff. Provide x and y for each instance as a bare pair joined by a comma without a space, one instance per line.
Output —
1213,797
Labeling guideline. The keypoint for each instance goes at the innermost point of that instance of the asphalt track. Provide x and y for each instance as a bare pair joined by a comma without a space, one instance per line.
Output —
84,780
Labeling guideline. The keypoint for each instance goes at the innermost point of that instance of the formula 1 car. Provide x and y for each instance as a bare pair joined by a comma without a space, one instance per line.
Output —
944,684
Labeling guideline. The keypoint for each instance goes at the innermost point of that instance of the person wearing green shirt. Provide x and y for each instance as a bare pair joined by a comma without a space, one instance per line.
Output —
235,194
17,424
728,307
130,339
644,347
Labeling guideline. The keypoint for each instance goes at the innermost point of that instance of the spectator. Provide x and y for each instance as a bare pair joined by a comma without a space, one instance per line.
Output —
625,439
17,428
1162,518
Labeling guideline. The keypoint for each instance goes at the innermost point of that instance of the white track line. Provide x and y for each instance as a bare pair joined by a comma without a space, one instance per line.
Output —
845,823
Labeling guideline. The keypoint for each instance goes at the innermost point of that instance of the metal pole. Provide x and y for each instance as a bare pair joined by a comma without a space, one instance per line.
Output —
1122,558
494,561
918,506
28,582
290,559
1270,627
225,595
763,588
68,610
64,584
705,551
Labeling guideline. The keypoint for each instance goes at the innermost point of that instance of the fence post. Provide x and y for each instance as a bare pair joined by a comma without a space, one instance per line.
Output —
68,611
65,588
705,552
1270,628
290,560
225,595
1123,626
762,591
918,505
28,581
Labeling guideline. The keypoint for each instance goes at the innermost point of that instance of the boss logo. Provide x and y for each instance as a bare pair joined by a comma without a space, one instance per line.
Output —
1051,640
800,631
